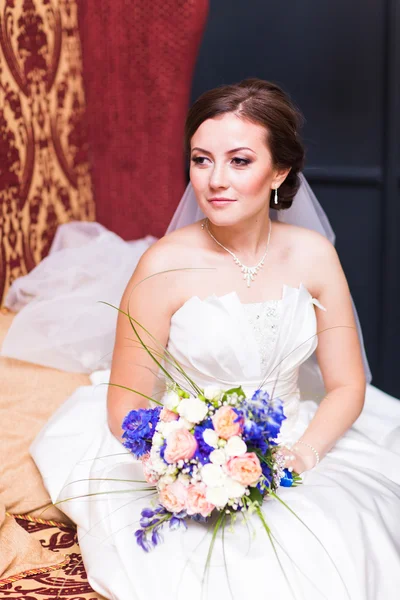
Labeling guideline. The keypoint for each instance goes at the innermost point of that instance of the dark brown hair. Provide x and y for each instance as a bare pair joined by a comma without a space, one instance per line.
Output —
265,104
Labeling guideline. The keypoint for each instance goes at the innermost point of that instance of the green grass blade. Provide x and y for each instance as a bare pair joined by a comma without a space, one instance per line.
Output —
299,346
102,494
165,350
274,495
224,559
217,526
133,391
271,539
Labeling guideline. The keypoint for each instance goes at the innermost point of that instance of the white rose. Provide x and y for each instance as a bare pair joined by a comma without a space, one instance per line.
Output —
213,475
212,392
233,488
171,400
210,437
235,446
192,409
217,496
218,457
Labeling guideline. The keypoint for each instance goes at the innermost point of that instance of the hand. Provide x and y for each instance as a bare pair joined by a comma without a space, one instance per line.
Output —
299,462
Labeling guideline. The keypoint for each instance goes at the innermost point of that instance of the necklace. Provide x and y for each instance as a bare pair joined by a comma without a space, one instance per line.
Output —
249,273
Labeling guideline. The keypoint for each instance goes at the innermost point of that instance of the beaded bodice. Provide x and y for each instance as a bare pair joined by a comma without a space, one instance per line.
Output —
264,318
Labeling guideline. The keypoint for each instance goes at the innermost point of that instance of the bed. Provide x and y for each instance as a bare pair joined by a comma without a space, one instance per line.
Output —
40,555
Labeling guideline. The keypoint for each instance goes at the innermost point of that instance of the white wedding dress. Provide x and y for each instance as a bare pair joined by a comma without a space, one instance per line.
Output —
350,502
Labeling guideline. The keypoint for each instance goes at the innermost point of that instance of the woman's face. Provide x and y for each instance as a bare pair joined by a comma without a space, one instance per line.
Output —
231,169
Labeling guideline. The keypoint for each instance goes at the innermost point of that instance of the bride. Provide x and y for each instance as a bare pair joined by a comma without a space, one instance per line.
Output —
242,295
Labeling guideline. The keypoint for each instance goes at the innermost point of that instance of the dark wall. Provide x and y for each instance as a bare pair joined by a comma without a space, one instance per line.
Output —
339,61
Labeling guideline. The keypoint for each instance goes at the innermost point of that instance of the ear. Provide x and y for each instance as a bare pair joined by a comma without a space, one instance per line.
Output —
280,176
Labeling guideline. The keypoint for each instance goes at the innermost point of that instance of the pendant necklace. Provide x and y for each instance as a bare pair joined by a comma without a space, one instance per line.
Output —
249,273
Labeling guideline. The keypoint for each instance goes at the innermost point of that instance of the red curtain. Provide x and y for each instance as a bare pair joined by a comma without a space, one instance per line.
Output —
138,57
44,165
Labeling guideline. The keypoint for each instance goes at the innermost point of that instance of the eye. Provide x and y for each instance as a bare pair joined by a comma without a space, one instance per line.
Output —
199,160
241,162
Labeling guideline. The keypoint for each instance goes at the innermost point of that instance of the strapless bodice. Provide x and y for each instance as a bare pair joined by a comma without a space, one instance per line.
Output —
221,341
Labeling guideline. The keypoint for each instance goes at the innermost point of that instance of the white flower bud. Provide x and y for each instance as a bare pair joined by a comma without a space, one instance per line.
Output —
158,465
170,427
213,475
217,496
171,400
234,489
192,409
218,457
210,437
212,392
235,446
185,424
158,440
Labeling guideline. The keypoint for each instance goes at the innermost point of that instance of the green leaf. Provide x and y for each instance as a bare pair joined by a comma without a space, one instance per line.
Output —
256,495
238,390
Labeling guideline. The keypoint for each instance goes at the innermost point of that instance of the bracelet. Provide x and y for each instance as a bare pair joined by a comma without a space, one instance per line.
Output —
311,448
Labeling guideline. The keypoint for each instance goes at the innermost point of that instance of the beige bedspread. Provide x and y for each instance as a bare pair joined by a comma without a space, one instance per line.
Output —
29,394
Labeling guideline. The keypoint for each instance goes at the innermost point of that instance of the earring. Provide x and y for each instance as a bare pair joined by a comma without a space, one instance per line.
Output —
276,201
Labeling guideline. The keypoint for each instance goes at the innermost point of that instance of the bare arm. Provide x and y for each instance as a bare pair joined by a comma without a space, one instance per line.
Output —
151,303
339,358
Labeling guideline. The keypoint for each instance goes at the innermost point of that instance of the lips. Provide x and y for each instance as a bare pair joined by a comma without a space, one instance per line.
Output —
221,200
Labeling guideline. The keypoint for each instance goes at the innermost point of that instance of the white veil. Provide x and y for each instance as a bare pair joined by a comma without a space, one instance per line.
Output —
60,321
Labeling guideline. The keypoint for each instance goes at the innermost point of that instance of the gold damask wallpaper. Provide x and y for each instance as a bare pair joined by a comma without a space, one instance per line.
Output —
44,167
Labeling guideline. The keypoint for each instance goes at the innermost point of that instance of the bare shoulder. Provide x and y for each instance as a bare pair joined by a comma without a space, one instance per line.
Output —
306,243
159,279
311,256
174,250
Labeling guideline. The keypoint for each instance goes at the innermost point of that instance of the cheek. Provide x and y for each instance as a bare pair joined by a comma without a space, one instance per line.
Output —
198,177
252,183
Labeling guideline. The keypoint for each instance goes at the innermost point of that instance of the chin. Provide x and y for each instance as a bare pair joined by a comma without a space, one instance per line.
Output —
222,215
222,218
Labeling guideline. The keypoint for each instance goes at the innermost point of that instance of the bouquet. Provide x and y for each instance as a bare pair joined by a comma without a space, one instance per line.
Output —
208,454
213,451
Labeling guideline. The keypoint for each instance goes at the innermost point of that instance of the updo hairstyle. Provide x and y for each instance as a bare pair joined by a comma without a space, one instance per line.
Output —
262,103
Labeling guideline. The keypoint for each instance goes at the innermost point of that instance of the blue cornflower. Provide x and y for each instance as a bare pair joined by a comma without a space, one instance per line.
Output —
178,520
266,471
287,479
156,536
139,427
199,518
142,540
267,413
255,436
162,449
203,449
152,521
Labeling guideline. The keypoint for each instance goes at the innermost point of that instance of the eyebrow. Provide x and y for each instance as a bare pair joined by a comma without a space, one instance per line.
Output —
228,152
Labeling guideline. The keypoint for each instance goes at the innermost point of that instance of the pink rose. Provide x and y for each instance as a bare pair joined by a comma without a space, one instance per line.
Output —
173,497
196,502
149,474
166,415
180,445
245,469
226,422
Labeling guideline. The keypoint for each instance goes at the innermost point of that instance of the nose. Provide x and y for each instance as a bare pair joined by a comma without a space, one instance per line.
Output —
218,177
